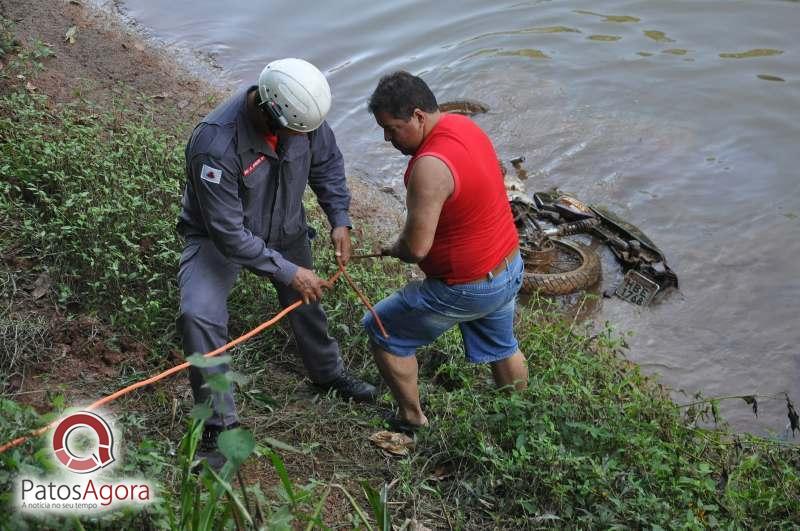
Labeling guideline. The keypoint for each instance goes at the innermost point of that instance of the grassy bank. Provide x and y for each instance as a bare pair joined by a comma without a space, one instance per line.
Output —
88,199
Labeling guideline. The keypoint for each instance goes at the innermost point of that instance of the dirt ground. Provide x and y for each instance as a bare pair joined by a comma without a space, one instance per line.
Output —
104,58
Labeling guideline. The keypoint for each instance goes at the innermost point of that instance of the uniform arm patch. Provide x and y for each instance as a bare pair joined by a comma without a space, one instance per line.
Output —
212,175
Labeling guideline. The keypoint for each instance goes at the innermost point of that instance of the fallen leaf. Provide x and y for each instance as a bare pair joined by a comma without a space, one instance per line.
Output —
658,36
441,472
412,524
604,38
183,103
758,52
394,443
41,285
30,87
767,77
69,36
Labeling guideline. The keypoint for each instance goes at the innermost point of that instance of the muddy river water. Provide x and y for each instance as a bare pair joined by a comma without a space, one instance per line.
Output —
681,116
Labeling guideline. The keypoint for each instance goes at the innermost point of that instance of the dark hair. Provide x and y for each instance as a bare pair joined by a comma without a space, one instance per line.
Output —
399,94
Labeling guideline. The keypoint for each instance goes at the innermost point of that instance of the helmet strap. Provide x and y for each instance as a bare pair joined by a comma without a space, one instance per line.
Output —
273,112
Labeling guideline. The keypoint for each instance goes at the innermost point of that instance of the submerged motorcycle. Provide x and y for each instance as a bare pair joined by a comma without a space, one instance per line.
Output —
555,265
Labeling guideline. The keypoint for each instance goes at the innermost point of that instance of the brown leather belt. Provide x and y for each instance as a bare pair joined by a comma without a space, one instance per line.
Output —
504,263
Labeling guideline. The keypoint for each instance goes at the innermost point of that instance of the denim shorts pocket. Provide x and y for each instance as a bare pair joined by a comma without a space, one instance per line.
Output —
471,304
482,291
440,298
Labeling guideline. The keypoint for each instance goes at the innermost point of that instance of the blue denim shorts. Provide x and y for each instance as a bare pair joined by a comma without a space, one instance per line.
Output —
422,311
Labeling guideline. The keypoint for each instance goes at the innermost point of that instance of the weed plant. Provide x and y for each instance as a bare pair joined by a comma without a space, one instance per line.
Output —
96,198
8,42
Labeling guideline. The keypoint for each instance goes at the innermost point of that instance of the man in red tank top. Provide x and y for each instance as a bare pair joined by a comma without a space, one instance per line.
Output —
460,231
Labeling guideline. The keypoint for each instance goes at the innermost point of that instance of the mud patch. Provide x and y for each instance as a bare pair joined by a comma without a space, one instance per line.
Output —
46,352
80,357
106,64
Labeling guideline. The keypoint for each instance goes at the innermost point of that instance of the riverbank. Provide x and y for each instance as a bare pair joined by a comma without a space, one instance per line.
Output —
91,139
110,64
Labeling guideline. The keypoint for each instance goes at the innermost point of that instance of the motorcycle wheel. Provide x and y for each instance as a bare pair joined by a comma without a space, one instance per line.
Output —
572,267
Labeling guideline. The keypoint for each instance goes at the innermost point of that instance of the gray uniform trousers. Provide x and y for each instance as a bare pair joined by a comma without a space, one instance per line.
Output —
205,278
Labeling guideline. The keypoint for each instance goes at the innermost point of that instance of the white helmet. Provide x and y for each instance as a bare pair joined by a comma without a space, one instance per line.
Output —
295,93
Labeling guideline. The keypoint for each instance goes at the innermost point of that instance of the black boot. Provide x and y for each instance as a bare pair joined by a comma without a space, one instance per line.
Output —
208,450
348,386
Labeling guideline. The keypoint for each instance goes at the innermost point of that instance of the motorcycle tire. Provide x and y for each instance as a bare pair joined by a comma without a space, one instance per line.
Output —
578,268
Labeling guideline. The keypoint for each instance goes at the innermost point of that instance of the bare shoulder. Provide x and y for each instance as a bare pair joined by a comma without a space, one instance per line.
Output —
432,175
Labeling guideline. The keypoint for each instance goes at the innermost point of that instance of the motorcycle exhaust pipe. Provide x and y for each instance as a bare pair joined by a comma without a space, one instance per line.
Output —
576,227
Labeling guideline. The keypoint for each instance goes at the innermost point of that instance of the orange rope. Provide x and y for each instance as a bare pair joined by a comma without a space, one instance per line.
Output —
169,372
364,300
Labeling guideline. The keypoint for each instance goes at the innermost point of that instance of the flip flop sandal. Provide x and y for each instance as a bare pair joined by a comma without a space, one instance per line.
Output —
396,424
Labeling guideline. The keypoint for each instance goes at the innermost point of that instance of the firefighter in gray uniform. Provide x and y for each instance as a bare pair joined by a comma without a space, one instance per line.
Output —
247,166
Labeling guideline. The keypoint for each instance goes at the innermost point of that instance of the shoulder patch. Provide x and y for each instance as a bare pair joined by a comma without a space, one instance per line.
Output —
212,175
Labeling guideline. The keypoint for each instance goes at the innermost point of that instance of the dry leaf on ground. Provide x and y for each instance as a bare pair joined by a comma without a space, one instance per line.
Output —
69,36
394,443
442,472
412,524
41,286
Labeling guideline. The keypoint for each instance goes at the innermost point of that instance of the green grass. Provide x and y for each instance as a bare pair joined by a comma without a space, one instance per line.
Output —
594,443
8,42
92,196
95,198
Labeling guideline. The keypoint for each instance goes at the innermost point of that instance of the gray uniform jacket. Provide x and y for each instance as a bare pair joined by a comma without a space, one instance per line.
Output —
249,199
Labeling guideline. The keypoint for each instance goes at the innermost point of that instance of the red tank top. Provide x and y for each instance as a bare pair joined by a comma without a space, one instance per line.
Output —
476,228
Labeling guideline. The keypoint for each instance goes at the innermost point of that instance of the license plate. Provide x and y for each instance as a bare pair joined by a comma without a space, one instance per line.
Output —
637,288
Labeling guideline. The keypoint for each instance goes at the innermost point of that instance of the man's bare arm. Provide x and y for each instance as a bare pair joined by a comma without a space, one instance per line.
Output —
429,186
